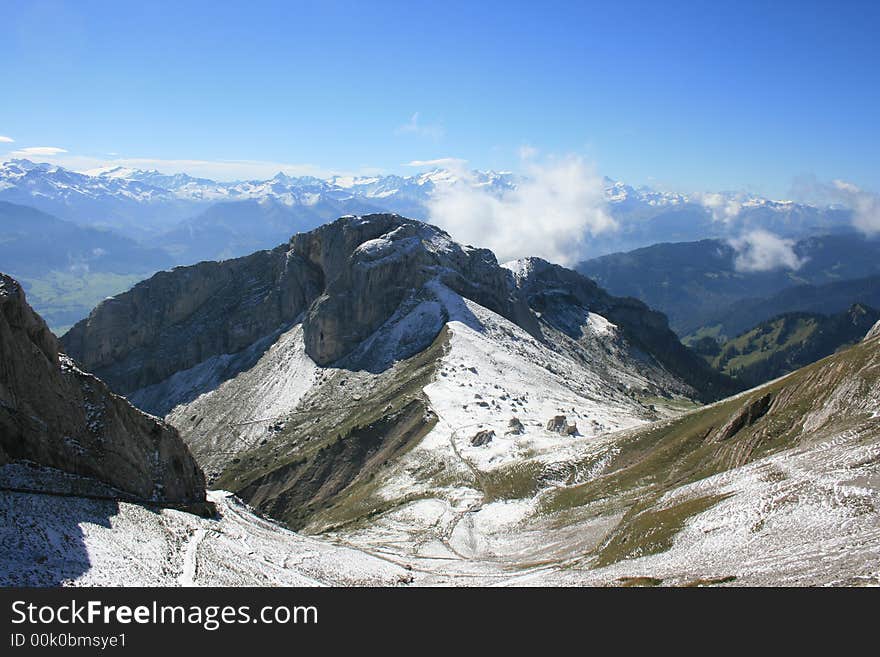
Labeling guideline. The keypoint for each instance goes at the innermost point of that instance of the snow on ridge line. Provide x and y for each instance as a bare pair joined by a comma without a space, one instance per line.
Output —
309,190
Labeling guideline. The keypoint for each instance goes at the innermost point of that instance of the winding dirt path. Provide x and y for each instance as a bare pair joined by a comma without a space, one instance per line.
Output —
190,559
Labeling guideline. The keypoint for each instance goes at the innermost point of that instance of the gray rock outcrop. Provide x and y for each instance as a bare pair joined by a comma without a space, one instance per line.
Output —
179,318
482,437
874,332
557,423
372,264
745,417
56,415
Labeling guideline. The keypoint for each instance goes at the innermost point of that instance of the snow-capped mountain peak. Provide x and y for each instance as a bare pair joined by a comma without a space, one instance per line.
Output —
21,179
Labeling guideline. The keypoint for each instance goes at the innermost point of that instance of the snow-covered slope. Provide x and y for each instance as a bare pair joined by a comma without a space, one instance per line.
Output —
50,540
372,333
488,493
633,507
490,372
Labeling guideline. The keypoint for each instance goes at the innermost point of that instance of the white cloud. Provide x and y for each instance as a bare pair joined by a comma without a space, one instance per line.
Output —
865,206
723,207
550,214
6,140
37,151
415,127
760,250
453,163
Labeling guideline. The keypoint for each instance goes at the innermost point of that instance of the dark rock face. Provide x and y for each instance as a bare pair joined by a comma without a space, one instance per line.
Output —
555,292
54,414
747,416
177,319
483,437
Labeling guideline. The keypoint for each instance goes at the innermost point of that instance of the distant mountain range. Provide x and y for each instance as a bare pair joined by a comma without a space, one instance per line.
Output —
698,285
139,203
148,203
150,220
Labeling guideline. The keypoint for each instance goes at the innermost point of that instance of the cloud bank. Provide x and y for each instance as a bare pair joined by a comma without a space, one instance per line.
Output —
37,151
6,140
760,250
722,206
451,163
550,214
865,206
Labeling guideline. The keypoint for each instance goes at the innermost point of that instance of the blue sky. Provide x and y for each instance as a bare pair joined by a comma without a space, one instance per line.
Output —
685,96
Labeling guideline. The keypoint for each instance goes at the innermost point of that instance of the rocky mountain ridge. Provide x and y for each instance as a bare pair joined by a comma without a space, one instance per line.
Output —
346,279
558,449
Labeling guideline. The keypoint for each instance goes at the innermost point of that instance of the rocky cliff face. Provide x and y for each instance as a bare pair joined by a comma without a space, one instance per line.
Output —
874,332
344,281
348,277
181,317
372,264
54,414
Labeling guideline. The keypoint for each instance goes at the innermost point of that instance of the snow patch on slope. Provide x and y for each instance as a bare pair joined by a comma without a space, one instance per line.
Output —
805,516
247,407
492,371
48,540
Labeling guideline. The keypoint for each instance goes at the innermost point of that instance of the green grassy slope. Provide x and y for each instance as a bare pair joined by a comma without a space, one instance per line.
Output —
823,399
